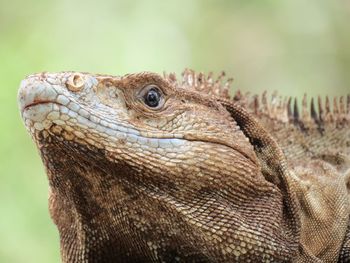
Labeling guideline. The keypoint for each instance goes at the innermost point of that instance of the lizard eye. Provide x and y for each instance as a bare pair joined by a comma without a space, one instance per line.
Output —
152,96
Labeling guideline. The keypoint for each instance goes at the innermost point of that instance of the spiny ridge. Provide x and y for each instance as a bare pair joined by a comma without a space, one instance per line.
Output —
287,109
284,109
200,82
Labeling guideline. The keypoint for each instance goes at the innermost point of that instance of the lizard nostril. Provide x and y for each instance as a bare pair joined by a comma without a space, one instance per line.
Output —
75,82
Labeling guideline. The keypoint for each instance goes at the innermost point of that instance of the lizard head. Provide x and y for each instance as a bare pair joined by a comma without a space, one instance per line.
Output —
135,116
141,110
142,159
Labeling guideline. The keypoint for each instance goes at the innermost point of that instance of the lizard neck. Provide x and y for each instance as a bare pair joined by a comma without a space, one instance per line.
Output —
89,204
108,210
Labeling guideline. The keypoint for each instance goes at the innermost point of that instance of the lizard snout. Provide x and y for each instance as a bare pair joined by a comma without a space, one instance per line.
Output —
34,92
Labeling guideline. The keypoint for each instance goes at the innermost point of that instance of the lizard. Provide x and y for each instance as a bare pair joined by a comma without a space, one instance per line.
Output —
156,168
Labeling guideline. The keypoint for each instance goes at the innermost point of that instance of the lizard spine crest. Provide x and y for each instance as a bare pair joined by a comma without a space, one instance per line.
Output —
316,112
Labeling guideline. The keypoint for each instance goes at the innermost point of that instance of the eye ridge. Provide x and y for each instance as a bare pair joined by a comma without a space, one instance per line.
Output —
152,97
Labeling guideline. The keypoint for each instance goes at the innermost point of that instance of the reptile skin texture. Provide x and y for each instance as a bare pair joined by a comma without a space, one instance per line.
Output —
151,168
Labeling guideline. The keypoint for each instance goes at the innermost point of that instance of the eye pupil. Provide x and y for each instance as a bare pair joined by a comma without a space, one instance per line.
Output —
152,98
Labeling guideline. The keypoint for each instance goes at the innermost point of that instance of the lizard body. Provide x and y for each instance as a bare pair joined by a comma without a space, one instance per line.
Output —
145,168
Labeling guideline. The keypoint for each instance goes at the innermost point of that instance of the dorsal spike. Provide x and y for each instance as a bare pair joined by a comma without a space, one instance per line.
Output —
283,110
210,77
335,109
296,110
304,109
289,108
229,82
256,105
245,99
237,96
274,104
313,111
200,77
342,107
227,87
171,77
184,76
220,77
328,108
329,113
320,109
265,103
195,79
191,78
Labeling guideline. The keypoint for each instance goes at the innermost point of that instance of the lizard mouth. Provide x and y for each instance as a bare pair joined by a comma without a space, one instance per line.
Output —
36,103
34,92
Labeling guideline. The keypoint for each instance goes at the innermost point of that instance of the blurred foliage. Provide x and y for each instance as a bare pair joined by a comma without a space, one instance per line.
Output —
292,46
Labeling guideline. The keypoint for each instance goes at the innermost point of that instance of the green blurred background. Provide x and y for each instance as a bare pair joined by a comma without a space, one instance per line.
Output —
293,46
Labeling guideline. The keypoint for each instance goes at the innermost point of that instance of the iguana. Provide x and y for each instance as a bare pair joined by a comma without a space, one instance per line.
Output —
151,168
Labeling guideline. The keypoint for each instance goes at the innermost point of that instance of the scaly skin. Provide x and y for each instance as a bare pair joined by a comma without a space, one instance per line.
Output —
195,179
